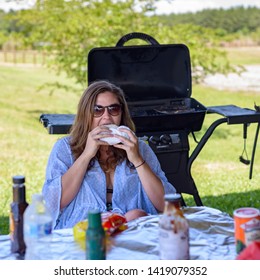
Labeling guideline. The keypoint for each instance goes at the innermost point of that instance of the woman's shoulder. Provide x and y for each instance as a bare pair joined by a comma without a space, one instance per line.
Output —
143,144
63,141
146,151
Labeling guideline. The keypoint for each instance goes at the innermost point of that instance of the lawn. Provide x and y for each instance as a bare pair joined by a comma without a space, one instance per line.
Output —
222,180
244,55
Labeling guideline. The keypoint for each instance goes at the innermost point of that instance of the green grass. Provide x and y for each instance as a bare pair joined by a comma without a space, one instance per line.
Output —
221,179
244,55
25,144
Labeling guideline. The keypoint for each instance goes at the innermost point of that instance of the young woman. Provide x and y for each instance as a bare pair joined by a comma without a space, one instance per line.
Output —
85,173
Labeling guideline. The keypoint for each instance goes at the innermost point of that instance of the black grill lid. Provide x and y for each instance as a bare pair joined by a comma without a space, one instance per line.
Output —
149,72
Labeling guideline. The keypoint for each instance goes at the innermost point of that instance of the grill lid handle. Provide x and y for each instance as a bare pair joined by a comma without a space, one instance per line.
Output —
136,35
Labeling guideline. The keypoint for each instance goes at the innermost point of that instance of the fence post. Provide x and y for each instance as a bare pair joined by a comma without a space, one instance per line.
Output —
43,57
34,58
14,57
24,56
5,56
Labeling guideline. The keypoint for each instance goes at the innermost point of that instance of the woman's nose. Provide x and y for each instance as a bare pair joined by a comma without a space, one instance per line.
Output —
106,114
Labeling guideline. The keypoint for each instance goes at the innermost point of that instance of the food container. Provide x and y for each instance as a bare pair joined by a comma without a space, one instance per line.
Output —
247,227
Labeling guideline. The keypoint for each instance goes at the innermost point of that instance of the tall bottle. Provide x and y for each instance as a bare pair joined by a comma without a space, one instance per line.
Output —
37,230
18,207
173,230
95,238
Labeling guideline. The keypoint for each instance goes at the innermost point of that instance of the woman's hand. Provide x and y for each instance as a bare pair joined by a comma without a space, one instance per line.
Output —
130,146
93,142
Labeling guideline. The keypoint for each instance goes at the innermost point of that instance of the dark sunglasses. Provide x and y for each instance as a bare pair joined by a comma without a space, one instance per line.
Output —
113,110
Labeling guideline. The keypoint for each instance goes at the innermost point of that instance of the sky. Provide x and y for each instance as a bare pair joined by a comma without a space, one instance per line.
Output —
182,6
164,6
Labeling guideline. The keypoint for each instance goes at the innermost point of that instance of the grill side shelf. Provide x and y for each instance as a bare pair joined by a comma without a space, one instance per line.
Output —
235,114
57,123
232,115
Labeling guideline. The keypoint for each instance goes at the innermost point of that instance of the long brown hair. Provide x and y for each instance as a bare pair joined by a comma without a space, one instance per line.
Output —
84,118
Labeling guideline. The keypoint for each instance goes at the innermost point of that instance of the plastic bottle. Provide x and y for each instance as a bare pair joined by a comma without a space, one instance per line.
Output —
95,238
37,230
18,207
173,230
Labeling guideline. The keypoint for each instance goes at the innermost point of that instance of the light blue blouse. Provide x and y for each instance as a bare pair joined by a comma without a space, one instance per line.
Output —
128,192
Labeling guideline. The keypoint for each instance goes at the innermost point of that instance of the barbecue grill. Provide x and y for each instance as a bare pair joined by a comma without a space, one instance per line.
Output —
156,80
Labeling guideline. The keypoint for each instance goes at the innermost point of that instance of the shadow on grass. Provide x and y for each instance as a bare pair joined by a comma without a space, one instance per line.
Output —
4,225
229,202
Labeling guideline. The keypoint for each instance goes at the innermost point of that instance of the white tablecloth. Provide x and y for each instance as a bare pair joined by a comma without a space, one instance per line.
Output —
211,238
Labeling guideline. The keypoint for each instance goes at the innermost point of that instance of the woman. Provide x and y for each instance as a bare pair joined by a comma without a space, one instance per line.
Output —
85,173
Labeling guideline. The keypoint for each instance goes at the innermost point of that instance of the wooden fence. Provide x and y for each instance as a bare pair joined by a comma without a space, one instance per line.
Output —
23,57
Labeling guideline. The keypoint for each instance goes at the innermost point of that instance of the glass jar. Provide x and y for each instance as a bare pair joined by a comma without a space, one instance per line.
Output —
173,230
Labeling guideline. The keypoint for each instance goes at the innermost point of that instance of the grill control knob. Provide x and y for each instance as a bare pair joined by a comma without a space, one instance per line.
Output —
166,139
155,140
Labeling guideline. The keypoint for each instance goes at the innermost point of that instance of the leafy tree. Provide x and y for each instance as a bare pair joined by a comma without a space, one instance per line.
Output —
72,28
9,30
231,20
206,58
3,39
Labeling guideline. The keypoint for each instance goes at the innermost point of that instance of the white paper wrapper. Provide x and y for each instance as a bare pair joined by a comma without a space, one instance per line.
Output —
114,130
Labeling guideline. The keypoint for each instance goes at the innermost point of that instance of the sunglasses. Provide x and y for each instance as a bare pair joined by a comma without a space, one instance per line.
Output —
113,110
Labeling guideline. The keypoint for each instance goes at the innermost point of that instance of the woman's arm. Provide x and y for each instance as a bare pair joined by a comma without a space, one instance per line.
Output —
72,179
152,184
63,176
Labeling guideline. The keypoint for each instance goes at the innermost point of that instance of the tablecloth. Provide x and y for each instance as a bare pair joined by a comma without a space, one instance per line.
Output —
211,238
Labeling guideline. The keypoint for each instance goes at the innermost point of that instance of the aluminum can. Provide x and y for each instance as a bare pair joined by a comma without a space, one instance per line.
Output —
247,227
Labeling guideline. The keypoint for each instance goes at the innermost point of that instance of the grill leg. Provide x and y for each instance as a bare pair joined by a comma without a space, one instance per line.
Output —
197,199
196,152
182,201
195,192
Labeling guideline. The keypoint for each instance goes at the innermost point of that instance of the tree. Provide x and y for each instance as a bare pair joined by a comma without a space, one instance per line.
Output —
206,57
72,28
231,20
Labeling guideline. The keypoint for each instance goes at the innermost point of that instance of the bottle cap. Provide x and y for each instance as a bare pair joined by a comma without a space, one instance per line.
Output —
37,197
172,197
94,219
18,179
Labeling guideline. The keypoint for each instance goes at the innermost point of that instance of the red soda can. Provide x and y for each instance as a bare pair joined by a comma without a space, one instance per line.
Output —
247,227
